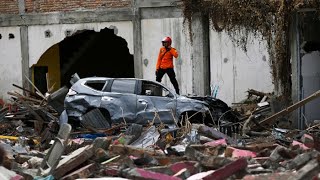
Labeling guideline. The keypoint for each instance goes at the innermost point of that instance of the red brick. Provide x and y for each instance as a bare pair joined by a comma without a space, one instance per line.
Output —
41,6
9,7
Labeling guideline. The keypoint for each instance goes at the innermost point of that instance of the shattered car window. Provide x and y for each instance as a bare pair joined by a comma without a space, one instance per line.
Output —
152,89
96,85
124,86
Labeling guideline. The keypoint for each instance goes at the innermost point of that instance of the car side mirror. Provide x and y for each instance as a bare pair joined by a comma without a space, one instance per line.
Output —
170,95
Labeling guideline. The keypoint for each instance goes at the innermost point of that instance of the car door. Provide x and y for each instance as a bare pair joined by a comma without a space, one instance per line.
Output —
119,98
155,102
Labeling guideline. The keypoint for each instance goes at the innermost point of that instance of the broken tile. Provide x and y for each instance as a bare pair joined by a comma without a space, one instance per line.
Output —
223,172
216,143
137,173
300,145
237,153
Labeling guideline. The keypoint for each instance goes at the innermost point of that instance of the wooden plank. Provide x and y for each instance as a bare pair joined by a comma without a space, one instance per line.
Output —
271,119
72,161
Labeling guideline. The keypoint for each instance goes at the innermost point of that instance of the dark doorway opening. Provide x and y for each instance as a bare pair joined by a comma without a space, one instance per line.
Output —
40,81
91,53
310,66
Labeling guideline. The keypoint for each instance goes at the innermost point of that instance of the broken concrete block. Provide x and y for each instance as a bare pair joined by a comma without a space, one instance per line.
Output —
237,153
52,158
309,171
208,161
223,172
275,156
20,158
216,143
137,173
307,140
269,176
147,138
101,142
72,161
135,131
28,173
100,153
83,172
35,162
299,161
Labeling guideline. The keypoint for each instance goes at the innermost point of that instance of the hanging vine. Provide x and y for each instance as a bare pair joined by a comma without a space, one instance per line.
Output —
269,18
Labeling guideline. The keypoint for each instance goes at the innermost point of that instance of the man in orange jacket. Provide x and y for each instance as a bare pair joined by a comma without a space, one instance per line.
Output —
165,63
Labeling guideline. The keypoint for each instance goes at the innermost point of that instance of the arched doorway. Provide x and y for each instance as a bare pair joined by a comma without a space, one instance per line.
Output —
87,53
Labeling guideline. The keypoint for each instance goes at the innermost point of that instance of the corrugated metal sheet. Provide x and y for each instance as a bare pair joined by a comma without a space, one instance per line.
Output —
95,118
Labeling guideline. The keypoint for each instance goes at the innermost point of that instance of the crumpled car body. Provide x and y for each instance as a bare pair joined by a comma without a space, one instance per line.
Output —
130,100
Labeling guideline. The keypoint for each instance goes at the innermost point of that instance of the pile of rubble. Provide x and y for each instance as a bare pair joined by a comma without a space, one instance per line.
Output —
37,148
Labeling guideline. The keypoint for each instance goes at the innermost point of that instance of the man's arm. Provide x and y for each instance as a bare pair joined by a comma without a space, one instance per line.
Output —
174,52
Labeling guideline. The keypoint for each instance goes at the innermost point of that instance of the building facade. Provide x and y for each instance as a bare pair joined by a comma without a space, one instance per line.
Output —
47,41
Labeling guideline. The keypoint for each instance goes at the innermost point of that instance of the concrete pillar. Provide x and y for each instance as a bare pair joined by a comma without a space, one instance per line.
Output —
25,56
137,41
296,69
200,55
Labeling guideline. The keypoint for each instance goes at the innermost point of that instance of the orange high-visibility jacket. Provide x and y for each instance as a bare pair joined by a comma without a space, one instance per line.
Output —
165,59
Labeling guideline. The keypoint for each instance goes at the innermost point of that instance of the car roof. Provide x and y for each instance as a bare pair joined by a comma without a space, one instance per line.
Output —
107,78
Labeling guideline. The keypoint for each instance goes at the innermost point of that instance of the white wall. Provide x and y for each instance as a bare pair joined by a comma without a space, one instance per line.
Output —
235,71
10,61
310,72
153,31
38,43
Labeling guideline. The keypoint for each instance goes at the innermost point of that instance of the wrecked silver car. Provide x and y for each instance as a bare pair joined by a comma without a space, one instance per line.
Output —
99,102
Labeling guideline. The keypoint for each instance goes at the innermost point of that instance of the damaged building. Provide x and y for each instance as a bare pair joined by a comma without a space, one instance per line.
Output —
78,96
54,41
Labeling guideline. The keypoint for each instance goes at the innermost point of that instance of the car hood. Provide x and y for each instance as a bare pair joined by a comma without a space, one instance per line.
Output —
187,104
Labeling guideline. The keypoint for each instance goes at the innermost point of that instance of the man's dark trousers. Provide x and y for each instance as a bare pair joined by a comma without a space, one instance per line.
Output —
160,73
